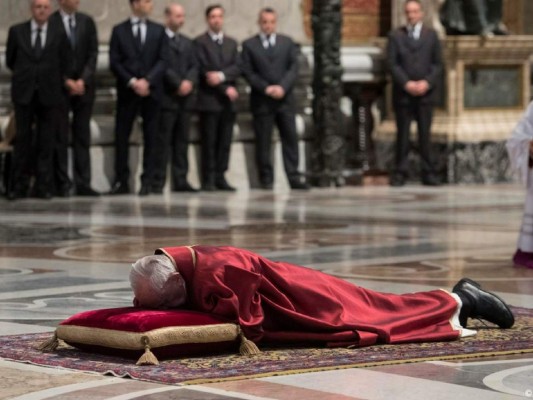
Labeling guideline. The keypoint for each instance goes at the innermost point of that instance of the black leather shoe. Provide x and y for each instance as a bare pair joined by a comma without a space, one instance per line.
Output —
478,303
157,190
86,191
299,185
119,188
431,180
267,185
184,187
42,194
63,191
16,195
145,190
222,184
397,180
208,187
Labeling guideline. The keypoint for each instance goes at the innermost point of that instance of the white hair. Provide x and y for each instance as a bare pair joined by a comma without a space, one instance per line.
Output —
152,270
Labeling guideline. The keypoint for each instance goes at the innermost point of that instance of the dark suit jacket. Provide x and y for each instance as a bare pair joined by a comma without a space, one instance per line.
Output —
411,59
263,68
46,72
85,55
128,61
210,59
182,65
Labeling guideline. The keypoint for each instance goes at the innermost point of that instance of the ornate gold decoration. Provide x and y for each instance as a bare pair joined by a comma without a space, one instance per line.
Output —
175,335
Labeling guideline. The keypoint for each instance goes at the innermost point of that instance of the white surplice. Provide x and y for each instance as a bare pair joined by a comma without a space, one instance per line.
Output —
518,149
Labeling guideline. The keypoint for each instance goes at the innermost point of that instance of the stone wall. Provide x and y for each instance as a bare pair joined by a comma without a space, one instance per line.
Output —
241,16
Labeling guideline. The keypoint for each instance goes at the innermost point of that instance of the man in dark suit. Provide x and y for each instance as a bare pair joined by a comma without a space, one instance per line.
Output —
81,31
414,56
181,76
217,56
137,56
270,64
38,55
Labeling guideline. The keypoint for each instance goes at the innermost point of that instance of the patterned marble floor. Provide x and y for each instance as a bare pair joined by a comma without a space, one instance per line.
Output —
63,256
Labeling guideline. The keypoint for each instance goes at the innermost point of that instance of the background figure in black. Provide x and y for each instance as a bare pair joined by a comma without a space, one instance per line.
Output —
217,56
81,31
137,56
37,53
414,56
180,78
270,64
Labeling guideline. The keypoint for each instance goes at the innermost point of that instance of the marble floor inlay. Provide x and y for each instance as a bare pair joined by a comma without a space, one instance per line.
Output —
64,256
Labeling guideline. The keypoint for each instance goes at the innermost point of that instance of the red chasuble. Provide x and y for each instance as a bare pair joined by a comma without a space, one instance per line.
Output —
280,302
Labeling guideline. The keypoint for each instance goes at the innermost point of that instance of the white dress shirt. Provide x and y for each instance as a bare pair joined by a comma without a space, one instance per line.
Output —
66,21
216,37
170,33
268,41
416,29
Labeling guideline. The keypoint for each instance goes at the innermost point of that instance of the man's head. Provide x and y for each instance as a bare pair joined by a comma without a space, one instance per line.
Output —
141,8
175,16
156,283
69,6
214,15
40,10
267,21
414,13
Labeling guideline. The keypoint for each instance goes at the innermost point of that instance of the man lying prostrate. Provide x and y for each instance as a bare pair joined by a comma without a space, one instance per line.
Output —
281,302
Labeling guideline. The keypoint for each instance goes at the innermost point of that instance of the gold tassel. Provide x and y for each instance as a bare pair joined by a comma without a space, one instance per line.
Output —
148,358
49,345
247,347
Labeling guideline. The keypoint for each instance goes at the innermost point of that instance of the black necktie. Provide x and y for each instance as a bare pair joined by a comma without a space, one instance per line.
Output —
411,32
269,46
72,29
38,45
138,35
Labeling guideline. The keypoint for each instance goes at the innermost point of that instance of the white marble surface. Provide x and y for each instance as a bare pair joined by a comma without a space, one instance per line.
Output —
64,256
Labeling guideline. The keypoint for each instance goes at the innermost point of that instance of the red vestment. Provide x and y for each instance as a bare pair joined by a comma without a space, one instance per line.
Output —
281,302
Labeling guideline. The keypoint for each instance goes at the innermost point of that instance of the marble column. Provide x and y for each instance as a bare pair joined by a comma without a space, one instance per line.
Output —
329,151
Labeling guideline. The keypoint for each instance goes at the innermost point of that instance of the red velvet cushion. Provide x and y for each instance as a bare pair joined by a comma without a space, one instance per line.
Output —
168,333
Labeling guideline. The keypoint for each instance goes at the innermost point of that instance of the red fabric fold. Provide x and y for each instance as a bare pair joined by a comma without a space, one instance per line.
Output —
131,319
275,301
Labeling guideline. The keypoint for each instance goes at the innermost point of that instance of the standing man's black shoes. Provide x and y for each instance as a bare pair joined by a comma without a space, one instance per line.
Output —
17,194
477,303
397,180
431,180
42,194
298,182
119,188
86,191
267,185
64,191
145,190
208,187
222,184
184,187
298,185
